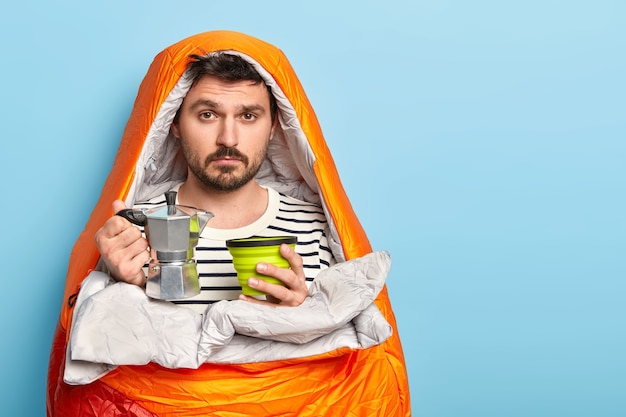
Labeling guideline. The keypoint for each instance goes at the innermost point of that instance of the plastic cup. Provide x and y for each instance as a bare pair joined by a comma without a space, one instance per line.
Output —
248,252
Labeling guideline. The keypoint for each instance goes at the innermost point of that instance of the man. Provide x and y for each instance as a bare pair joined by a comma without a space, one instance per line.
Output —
224,125
331,352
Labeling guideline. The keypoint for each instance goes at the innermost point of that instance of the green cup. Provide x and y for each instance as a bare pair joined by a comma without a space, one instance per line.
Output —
248,252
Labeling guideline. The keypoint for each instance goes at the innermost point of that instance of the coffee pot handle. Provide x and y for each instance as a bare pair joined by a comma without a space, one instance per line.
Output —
137,217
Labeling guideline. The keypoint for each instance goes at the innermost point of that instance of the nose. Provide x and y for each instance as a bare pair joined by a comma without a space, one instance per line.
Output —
227,136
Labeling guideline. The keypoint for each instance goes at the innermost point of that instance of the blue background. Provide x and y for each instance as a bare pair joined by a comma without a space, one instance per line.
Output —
482,144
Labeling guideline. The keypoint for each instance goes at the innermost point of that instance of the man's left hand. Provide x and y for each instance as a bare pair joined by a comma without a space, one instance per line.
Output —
295,290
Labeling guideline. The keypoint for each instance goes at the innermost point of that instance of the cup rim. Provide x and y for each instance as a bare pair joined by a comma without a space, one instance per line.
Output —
250,242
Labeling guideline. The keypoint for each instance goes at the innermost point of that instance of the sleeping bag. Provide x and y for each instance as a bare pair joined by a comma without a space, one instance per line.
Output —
116,352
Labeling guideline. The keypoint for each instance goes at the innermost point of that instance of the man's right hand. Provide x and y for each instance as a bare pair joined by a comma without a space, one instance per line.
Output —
123,248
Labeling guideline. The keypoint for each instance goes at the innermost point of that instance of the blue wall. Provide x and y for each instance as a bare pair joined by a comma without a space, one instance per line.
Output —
482,144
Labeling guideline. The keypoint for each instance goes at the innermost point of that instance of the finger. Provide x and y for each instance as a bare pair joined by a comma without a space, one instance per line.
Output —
280,294
129,256
137,246
131,236
276,290
115,235
118,205
113,227
129,268
294,259
293,277
134,269
268,288
253,300
287,276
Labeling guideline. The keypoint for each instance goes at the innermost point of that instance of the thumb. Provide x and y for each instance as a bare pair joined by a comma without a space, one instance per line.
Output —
118,205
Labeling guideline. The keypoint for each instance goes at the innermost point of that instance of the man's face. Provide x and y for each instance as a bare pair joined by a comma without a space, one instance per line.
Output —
224,129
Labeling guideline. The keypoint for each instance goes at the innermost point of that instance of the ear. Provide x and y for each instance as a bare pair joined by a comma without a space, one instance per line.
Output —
274,126
175,129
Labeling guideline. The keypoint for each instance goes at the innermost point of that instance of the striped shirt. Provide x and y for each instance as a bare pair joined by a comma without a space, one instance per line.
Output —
284,216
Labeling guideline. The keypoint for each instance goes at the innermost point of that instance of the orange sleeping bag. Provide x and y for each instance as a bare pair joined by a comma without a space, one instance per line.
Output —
343,382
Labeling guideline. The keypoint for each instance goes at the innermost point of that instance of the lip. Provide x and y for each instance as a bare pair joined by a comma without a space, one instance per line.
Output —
227,160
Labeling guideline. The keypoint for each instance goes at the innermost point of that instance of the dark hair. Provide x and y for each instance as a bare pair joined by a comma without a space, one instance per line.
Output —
229,68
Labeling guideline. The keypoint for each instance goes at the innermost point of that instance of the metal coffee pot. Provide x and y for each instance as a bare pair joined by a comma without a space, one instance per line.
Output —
172,232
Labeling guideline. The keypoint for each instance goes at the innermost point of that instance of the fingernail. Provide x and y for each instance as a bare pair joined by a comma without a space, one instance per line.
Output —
253,282
261,267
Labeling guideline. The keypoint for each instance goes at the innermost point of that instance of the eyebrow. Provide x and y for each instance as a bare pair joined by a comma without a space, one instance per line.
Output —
253,108
204,103
215,105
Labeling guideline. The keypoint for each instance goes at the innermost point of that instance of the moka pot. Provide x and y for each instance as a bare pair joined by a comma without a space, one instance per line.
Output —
172,232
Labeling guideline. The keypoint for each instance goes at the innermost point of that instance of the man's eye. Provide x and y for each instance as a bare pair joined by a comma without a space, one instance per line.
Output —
249,116
207,115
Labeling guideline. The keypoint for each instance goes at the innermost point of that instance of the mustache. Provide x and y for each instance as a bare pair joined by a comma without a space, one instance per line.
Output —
225,152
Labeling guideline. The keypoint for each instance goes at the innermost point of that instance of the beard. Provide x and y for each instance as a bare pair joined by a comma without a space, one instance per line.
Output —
226,178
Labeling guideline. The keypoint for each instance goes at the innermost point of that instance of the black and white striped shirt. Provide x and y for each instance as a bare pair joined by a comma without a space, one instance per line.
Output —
284,216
